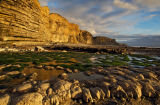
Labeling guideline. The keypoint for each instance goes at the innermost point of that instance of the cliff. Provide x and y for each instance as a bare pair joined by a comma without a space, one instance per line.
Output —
62,30
24,22
101,40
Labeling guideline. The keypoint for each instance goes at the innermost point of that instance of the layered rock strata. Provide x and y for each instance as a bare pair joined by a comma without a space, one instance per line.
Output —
26,22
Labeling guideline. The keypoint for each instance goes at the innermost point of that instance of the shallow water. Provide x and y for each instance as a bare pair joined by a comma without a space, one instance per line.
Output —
43,74
81,76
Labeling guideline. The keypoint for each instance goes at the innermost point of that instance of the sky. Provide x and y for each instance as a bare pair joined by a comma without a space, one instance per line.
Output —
110,17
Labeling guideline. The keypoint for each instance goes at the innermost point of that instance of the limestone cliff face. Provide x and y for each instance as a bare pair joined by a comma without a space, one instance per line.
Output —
62,30
23,20
85,37
26,22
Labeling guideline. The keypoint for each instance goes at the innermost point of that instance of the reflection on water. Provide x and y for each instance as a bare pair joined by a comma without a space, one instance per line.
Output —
43,74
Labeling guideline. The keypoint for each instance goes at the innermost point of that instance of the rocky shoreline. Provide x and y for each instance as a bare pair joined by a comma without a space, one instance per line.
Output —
111,86
100,85
113,49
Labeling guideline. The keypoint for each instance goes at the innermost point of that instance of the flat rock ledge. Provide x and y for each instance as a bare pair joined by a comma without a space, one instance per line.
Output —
115,86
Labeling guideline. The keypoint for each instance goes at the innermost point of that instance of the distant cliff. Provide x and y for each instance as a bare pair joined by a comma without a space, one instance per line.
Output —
26,22
101,40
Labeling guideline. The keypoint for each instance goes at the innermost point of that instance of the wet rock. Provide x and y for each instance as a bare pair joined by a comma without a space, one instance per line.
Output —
55,100
23,87
80,101
106,91
148,90
118,91
97,93
17,65
140,76
135,91
33,76
2,66
61,85
44,86
23,74
87,95
29,99
39,48
113,80
5,99
46,101
2,77
150,75
62,88
49,91
75,71
76,92
3,91
68,70
49,68
105,84
64,51
59,68
34,82
39,66
13,73
88,73
76,82
63,76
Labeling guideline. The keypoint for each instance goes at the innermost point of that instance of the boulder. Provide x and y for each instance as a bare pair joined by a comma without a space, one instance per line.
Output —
97,93
13,73
62,88
76,92
61,85
44,86
33,76
63,76
118,91
135,90
150,75
148,90
5,99
29,99
55,100
49,68
105,84
49,91
106,91
75,71
39,48
39,66
87,95
2,77
68,70
23,87
59,68
140,76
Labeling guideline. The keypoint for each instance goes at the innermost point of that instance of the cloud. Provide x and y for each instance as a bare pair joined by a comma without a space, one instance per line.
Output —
44,2
106,17
152,4
125,5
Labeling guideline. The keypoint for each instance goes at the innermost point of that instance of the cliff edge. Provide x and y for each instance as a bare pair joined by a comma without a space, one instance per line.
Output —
25,22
